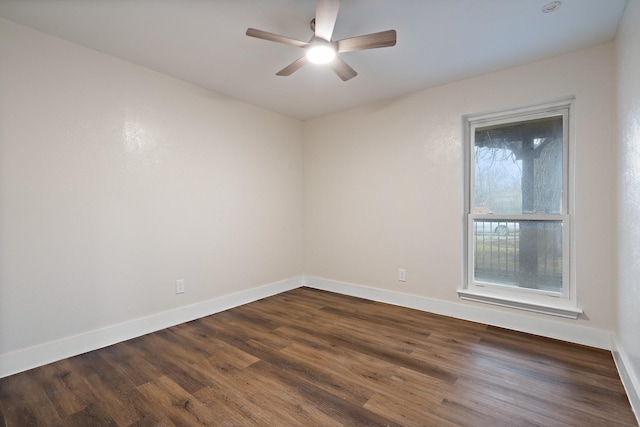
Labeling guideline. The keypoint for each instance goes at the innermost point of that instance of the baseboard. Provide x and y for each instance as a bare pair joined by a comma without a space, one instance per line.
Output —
515,321
22,360
629,377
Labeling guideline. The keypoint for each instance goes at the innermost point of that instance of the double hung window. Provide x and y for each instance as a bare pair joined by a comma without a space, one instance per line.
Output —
518,232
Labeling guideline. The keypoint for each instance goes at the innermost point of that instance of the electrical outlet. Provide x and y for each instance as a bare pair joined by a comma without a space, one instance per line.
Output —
402,275
180,286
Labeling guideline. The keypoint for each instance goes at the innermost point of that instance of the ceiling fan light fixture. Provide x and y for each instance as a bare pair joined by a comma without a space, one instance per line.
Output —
321,53
320,49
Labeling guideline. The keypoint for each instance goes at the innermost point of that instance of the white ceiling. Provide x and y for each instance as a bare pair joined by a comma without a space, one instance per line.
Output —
439,41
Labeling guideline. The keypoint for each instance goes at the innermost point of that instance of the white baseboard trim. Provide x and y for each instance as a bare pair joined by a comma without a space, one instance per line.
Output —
28,358
629,377
515,321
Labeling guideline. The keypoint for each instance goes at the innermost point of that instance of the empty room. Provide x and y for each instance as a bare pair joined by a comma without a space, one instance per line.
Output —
319,212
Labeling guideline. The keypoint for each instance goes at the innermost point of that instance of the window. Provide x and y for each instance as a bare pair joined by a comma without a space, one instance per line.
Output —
518,233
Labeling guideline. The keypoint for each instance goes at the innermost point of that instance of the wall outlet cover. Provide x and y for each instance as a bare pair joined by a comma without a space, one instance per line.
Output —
180,286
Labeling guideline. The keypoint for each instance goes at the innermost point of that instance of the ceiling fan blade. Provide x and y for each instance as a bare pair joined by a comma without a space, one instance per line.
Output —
342,69
293,67
326,15
259,34
369,41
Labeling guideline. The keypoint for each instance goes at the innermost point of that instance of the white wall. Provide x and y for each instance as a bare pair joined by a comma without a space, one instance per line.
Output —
116,180
384,184
628,301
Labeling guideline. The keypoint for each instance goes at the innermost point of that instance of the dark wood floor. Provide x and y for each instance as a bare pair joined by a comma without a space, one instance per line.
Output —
309,357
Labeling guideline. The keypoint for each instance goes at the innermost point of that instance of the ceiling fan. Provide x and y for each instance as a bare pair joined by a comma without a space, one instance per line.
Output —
320,48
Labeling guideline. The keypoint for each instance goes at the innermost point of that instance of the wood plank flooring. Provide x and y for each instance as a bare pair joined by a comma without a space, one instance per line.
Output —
313,358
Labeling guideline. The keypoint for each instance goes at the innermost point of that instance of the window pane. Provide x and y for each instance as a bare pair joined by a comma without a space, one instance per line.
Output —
518,167
522,254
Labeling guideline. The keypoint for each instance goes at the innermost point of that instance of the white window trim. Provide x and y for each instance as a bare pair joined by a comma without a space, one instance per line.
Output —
557,304
554,308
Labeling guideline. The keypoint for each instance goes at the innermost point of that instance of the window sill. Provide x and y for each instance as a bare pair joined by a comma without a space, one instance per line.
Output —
559,309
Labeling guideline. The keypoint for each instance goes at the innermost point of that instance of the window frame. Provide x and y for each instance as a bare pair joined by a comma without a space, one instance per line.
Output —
548,302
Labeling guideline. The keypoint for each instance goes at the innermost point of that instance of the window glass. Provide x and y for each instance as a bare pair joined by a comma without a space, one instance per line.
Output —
519,167
518,253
